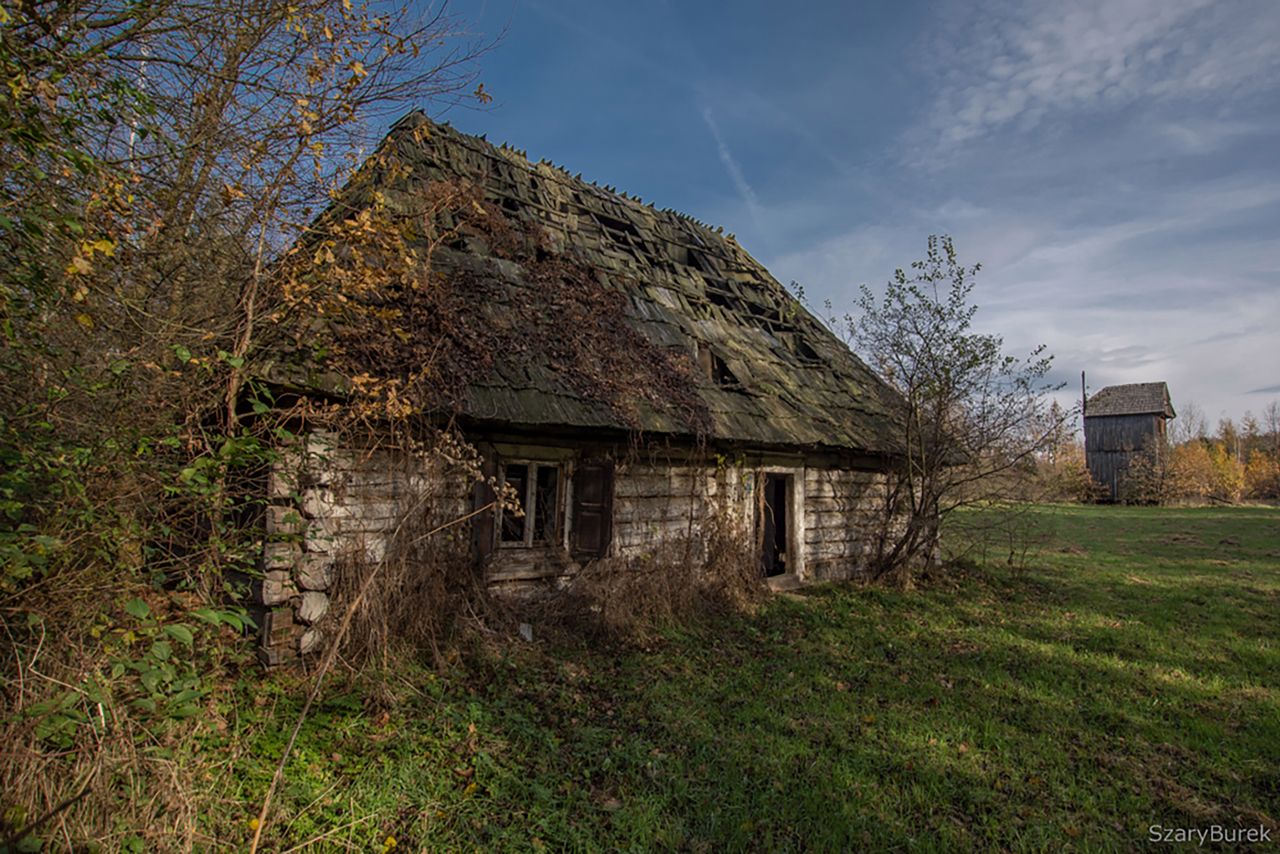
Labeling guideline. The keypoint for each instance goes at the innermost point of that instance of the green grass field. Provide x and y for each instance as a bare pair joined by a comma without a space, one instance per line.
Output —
1130,677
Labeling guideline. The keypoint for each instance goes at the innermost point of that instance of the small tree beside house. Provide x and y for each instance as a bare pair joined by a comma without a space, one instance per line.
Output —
975,418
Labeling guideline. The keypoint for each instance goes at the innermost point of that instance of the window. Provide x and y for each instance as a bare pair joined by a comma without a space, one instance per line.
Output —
561,505
537,486
714,368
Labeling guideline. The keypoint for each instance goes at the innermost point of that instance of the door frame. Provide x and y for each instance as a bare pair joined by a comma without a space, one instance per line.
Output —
795,521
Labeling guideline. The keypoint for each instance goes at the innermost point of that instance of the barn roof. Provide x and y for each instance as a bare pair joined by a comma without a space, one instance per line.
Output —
689,288
1131,399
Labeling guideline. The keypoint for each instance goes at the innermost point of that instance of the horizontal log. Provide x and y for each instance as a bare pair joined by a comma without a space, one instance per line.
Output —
657,509
848,504
658,485
833,549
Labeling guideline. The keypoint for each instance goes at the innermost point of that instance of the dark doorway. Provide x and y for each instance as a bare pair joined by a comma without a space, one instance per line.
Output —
774,522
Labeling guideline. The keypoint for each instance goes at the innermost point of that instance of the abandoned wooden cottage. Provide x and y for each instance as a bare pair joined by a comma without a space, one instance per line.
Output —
645,377
1121,423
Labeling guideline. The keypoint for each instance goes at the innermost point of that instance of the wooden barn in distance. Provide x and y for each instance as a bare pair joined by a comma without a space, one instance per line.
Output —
1122,422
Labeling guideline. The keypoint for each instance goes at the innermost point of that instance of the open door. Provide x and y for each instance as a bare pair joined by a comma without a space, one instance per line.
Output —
773,521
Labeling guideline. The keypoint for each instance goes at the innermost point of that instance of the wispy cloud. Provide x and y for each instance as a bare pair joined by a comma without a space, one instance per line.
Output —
745,192
1148,297
1020,64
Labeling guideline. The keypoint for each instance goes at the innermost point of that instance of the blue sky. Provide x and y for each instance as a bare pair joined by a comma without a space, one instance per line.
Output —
1113,164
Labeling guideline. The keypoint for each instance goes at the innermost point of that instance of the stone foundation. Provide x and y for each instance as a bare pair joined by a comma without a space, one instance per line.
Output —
327,505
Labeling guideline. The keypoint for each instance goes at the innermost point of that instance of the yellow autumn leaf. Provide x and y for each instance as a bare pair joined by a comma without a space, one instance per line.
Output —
84,320
357,69
79,266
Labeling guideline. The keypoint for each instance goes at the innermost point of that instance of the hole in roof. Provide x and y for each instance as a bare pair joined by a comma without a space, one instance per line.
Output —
722,375
715,368
722,299
695,260
616,224
804,351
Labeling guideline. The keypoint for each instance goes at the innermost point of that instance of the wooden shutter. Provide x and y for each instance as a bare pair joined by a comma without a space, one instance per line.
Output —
592,509
482,533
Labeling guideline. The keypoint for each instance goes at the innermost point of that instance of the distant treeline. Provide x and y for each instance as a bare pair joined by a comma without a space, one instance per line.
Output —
1240,461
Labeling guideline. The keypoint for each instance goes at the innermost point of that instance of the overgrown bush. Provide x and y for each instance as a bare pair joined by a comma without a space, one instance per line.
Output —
713,568
158,158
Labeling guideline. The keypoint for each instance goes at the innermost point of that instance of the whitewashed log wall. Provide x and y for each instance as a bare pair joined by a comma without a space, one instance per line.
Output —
842,512
329,504
654,502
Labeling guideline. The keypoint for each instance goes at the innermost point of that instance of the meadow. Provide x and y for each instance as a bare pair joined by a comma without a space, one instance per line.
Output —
1129,676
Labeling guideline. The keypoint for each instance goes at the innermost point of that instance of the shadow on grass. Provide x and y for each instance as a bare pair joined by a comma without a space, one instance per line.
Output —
874,718
1063,707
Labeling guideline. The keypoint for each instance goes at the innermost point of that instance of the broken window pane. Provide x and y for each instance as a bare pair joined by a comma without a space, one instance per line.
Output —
517,477
545,504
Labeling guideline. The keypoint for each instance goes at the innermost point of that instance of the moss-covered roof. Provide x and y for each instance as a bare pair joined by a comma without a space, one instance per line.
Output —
768,373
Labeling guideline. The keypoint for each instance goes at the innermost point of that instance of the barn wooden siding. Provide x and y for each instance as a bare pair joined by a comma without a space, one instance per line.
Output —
1113,441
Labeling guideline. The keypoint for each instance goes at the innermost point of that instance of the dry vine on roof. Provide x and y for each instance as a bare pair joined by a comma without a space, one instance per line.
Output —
407,308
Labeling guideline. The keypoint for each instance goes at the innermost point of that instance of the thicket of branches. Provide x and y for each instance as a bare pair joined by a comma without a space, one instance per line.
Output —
158,158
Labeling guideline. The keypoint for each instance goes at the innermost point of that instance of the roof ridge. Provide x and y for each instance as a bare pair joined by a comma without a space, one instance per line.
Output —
481,145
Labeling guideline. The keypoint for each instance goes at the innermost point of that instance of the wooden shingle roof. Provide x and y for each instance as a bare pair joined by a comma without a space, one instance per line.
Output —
1131,399
689,288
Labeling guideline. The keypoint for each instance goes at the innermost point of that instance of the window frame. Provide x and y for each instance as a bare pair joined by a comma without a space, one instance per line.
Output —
529,503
